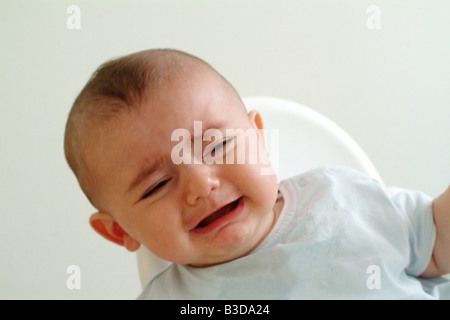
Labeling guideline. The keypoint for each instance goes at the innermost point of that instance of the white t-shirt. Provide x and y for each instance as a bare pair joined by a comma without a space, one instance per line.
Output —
340,235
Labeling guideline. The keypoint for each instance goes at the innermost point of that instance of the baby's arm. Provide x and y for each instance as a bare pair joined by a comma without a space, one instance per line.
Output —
440,260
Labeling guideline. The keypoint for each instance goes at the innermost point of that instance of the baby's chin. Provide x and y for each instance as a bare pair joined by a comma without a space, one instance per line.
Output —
240,250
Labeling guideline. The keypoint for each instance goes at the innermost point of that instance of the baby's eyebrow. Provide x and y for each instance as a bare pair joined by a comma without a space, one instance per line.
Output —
144,172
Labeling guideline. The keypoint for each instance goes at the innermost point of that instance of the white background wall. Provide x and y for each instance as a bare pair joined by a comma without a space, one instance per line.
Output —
388,88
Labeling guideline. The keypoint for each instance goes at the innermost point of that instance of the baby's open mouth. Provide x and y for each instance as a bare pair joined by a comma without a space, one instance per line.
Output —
218,214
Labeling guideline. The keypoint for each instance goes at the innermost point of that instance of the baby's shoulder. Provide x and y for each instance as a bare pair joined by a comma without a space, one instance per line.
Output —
334,180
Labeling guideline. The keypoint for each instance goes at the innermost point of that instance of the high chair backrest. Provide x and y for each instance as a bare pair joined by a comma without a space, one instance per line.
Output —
298,139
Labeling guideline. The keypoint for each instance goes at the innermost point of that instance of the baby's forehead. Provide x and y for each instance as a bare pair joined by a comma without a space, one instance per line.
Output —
206,101
191,118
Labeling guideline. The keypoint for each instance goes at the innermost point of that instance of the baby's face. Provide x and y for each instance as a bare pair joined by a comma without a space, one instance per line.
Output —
190,212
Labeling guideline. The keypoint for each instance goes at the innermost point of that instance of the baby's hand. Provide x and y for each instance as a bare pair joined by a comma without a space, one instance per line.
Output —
440,260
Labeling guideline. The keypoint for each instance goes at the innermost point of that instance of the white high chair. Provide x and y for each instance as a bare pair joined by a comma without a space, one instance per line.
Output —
298,139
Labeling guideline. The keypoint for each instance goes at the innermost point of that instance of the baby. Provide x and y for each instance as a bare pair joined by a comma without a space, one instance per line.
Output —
163,148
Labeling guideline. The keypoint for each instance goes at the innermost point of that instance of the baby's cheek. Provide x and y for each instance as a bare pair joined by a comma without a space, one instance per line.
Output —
154,228
268,190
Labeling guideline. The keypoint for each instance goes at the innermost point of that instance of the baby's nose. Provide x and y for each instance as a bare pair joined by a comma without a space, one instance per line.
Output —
198,181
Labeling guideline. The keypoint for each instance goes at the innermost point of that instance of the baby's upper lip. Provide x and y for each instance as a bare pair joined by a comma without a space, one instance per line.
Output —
212,211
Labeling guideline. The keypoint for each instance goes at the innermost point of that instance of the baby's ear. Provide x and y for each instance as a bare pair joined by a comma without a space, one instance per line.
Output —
256,119
108,228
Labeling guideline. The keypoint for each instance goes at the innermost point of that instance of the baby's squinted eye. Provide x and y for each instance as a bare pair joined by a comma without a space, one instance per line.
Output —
155,188
220,145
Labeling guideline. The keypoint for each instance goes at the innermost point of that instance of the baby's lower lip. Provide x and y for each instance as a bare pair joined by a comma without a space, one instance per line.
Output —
222,220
